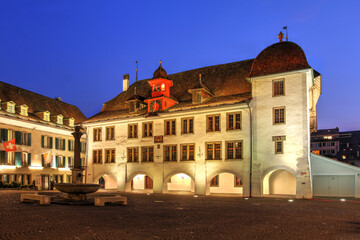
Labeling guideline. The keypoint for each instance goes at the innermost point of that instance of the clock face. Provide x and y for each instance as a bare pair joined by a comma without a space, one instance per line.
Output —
155,106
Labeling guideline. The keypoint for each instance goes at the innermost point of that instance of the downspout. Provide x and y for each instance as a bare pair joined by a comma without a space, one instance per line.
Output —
251,148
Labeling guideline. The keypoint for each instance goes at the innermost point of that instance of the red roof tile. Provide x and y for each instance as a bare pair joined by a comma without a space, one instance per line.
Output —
279,57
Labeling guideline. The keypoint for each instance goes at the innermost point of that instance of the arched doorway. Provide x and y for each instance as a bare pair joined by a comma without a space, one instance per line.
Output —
106,181
279,182
102,182
180,182
142,183
226,183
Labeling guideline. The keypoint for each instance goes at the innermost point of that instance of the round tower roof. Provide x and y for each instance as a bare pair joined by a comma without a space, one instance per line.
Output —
279,57
160,73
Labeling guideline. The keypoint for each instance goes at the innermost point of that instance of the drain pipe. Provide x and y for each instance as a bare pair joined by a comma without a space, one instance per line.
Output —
251,148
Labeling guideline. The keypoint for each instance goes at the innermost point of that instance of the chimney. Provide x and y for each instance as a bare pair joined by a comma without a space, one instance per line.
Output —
125,82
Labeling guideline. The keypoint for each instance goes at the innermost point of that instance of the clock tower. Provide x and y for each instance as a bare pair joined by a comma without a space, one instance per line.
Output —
160,95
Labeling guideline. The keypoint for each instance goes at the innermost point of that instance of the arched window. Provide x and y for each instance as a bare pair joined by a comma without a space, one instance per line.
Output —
163,87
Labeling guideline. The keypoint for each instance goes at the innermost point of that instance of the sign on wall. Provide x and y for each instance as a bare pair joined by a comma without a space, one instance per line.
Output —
158,139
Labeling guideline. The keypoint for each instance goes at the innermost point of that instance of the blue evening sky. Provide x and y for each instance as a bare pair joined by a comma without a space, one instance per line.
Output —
80,49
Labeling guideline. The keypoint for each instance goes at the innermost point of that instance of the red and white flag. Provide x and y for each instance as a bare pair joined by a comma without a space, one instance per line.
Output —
10,146
47,157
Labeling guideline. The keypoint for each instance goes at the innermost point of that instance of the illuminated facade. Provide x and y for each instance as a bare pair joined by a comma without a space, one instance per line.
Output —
41,126
211,130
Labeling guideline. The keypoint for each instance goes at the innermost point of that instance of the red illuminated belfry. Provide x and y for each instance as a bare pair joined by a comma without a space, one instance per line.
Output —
160,95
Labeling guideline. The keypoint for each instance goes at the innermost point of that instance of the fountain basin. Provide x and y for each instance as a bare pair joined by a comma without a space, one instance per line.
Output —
77,191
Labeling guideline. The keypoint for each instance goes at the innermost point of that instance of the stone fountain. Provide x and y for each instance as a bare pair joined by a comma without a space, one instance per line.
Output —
77,190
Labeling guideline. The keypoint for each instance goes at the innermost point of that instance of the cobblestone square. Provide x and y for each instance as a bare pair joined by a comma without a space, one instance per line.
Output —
180,217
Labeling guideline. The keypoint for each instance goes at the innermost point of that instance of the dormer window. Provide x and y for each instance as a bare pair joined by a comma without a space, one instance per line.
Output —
10,106
46,116
197,98
59,119
69,121
136,102
133,106
23,110
200,92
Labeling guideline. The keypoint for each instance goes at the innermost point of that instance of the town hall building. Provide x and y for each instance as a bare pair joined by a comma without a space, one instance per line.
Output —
237,128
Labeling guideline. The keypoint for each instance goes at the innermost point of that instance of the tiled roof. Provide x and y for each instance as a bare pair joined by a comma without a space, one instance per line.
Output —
160,73
227,82
38,103
279,57
223,81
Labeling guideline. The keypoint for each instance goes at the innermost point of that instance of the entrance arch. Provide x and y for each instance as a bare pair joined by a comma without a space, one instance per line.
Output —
279,182
140,182
106,181
225,183
179,182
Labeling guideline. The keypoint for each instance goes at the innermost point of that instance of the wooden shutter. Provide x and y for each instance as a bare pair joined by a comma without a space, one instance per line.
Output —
56,143
42,160
69,162
63,161
4,135
42,141
29,139
51,142
56,161
63,144
18,158
69,144
18,138
29,159
3,157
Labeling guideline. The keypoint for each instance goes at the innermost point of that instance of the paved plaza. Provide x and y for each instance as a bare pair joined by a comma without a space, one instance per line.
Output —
180,217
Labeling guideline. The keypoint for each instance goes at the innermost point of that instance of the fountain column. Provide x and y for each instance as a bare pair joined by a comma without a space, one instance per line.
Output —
77,170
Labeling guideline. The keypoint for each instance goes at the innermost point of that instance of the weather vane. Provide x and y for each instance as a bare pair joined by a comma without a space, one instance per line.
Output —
286,32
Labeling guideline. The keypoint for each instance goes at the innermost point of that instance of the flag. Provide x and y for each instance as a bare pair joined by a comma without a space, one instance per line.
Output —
10,146
47,157
285,27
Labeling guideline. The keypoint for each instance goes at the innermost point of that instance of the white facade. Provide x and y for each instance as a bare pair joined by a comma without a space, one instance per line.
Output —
35,170
275,128
295,158
201,171
289,171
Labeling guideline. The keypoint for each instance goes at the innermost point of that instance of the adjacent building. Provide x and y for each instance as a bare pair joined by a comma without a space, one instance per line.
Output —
343,146
241,128
41,127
